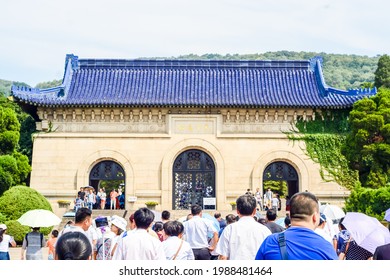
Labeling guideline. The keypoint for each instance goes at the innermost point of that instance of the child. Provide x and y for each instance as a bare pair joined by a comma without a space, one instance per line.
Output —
51,243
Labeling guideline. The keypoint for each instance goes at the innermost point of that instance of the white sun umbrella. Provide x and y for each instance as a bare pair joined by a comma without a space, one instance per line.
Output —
39,218
332,212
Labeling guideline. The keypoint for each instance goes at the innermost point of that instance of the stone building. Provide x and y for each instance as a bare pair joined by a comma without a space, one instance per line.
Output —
178,131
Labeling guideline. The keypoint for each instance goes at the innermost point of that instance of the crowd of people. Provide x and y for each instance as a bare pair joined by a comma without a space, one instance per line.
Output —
88,197
247,235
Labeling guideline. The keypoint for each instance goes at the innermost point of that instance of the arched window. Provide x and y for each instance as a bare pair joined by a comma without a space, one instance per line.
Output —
193,179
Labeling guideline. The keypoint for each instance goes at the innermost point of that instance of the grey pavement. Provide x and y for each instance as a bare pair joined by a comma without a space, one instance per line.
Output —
15,252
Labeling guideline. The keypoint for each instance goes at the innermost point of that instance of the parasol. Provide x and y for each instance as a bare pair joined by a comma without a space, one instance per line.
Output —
39,218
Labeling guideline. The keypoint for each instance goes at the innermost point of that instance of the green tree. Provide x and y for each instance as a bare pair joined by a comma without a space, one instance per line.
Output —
50,84
367,146
9,131
14,166
382,73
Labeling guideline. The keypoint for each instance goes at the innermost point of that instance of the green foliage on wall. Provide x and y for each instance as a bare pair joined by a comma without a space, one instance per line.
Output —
323,138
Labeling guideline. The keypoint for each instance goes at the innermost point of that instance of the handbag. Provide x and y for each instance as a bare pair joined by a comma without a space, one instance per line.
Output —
178,250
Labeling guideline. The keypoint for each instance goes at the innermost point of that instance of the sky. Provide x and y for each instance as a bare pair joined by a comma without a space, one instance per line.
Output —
36,35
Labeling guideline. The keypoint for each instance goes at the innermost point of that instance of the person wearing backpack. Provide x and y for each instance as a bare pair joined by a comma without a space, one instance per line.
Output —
33,242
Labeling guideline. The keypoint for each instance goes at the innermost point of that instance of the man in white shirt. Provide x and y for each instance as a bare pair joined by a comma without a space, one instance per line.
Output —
320,229
174,246
196,231
259,198
138,244
241,240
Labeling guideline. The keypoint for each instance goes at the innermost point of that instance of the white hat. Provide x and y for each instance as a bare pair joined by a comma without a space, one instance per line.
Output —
3,226
119,222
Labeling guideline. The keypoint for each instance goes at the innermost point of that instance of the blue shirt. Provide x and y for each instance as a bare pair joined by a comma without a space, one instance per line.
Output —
301,243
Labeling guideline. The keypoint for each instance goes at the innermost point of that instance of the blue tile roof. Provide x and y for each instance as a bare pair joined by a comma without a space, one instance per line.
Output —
171,83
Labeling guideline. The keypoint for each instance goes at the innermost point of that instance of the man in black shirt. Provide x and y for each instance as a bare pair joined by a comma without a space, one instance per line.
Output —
271,217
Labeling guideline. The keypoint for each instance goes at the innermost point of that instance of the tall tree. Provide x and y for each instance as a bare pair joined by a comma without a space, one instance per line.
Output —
14,166
382,73
367,147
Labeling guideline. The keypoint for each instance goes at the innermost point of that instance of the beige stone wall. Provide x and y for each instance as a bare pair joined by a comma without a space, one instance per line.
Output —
241,143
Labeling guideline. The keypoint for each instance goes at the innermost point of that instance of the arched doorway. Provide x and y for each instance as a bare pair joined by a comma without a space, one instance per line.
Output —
193,180
281,171
109,175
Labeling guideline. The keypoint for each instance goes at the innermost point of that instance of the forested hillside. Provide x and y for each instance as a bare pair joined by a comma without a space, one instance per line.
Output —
340,70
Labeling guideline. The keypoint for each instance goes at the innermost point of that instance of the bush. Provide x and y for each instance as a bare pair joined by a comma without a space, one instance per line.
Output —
3,218
14,203
372,202
18,231
18,200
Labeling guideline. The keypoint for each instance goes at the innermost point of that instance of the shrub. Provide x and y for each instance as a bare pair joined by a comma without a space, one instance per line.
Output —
3,218
151,203
18,231
372,202
18,200
14,203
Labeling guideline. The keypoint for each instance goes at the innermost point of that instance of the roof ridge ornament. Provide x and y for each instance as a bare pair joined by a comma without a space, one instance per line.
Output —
313,62
74,60
316,63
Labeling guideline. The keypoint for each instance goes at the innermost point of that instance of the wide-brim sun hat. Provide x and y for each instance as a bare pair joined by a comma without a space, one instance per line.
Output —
119,222
3,226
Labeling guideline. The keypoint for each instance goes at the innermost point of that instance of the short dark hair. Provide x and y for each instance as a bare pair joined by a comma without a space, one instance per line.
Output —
165,215
287,221
158,226
246,204
82,214
217,215
73,245
54,232
196,209
173,228
341,224
271,215
303,205
143,218
231,218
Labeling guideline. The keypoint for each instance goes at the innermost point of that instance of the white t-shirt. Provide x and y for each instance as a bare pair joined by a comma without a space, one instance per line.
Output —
241,240
197,230
324,234
172,244
138,244
4,245
275,202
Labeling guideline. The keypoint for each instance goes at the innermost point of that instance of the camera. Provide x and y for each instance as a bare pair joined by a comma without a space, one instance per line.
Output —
101,222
